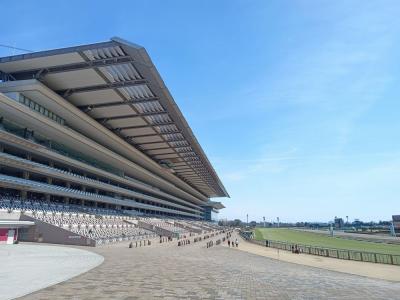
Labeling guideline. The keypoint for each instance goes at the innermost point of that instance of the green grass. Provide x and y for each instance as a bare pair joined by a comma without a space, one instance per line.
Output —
314,239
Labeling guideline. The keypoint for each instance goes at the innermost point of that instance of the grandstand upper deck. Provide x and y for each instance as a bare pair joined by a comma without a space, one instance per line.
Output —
112,93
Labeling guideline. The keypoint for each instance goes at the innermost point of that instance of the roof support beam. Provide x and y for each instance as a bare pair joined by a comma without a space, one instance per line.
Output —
118,130
41,73
180,170
177,140
141,126
109,104
149,134
141,135
194,175
187,173
111,85
6,77
160,148
180,147
191,159
183,167
188,154
166,156
149,143
200,184
163,141
131,116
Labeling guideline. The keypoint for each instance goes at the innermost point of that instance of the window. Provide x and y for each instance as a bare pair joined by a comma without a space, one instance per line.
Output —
39,108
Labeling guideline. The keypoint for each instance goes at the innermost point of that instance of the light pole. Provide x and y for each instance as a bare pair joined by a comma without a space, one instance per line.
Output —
247,216
277,219
264,221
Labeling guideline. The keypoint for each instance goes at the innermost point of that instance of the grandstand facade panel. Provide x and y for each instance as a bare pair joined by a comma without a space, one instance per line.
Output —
95,127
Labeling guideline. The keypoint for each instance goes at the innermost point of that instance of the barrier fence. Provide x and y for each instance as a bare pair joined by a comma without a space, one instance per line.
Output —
373,257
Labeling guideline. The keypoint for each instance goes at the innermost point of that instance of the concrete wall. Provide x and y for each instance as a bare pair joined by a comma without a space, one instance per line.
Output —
188,228
157,230
46,233
4,215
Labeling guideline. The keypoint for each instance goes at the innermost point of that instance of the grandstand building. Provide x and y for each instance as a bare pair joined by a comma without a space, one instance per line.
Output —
396,224
95,126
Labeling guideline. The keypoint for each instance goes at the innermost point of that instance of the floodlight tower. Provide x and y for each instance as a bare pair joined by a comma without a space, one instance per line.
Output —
247,216
264,221
277,220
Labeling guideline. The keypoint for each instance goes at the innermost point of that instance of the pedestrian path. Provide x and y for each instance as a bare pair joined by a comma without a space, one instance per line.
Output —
197,272
372,270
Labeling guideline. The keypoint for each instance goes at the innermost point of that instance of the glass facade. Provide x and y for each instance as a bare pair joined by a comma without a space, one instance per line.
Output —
210,214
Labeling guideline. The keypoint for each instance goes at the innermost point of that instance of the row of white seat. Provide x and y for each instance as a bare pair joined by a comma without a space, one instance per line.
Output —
110,233
32,206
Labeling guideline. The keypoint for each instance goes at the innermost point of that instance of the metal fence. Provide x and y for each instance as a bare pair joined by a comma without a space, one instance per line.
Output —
381,258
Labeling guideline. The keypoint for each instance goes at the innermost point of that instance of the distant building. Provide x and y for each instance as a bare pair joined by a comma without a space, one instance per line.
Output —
357,223
396,223
339,222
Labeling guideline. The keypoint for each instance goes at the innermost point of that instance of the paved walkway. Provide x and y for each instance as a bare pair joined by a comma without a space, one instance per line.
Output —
195,272
372,270
25,268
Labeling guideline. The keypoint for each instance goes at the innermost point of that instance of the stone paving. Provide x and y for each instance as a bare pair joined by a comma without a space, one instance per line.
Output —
195,272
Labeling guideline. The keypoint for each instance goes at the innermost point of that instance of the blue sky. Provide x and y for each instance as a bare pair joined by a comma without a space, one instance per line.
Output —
296,103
